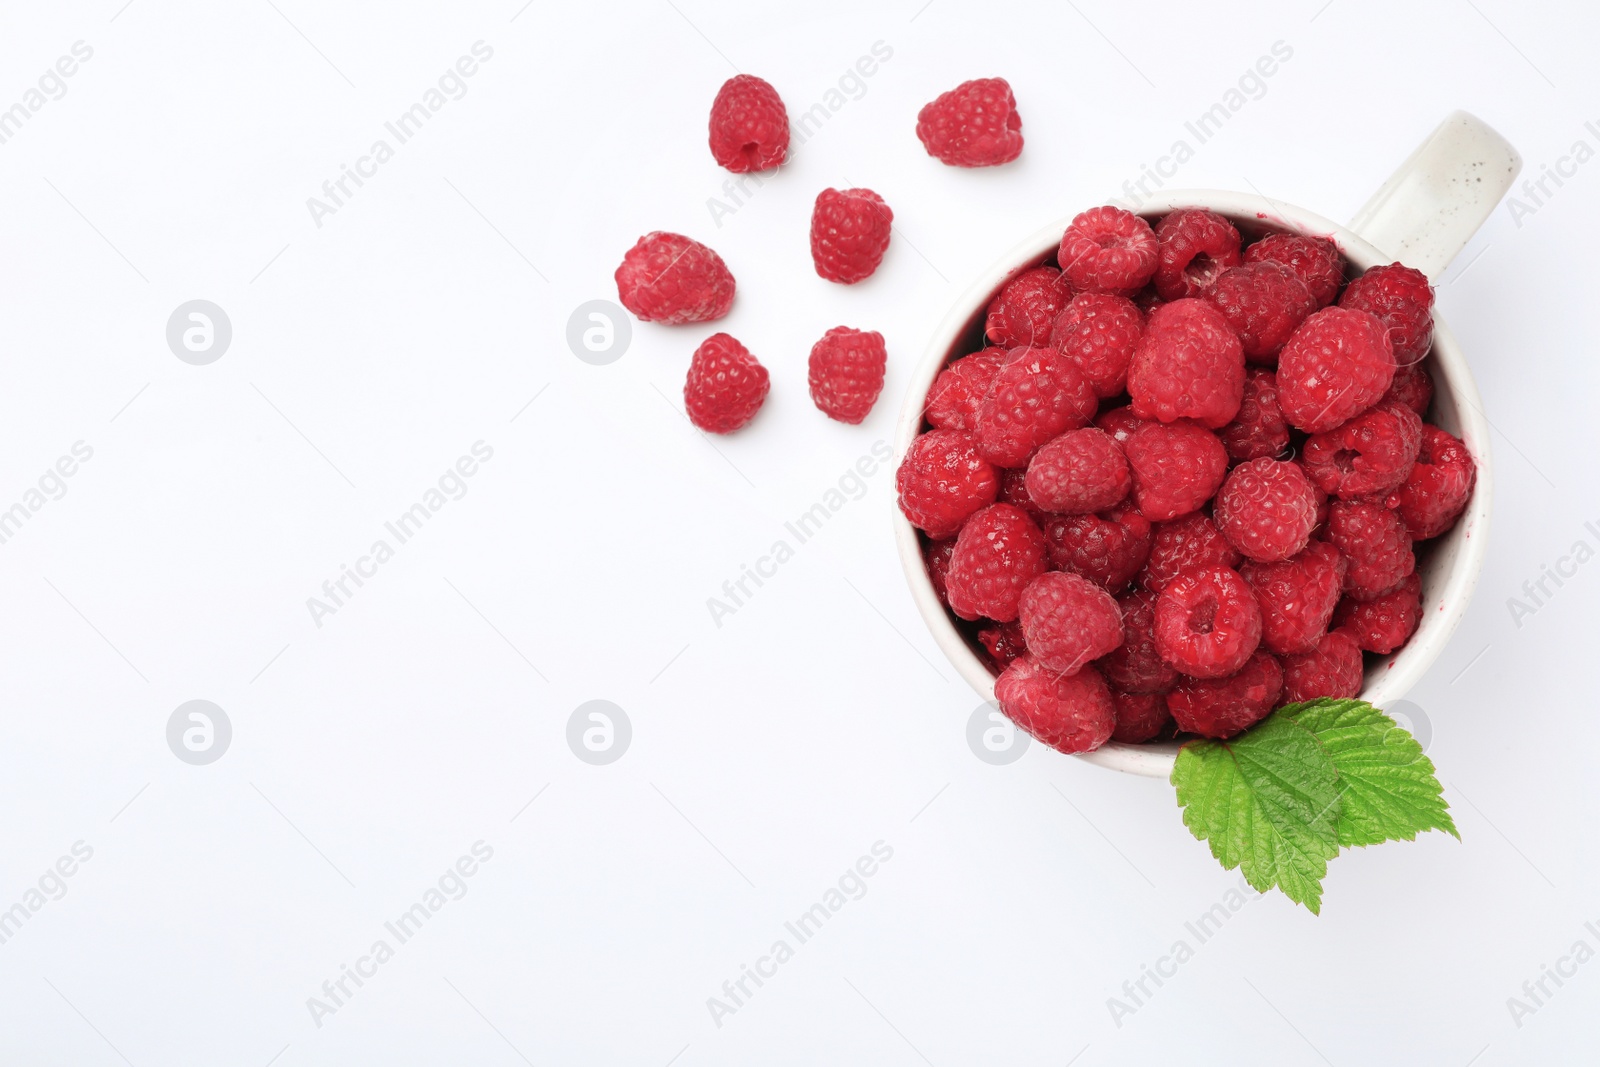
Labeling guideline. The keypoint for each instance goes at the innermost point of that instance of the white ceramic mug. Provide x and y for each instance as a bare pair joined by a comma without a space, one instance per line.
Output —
1422,216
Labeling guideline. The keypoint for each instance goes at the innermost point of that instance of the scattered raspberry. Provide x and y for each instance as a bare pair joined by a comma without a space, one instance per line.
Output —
1436,492
960,388
1080,472
749,126
1263,302
1069,712
1383,624
1337,364
1412,387
936,555
846,373
1188,364
1402,300
1108,250
1140,717
998,552
1026,307
1184,544
849,232
1315,259
1003,643
1332,669
1222,707
671,279
1120,423
1267,509
942,481
1259,430
1370,454
973,125
1098,332
1068,620
1136,665
1207,623
726,385
1036,395
1297,597
1194,247
1375,542
1108,549
1176,466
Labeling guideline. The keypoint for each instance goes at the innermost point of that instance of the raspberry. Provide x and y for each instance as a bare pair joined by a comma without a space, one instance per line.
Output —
749,126
1120,423
1402,300
1036,395
1188,364
998,553
1259,429
1068,621
1003,643
849,233
1026,307
1297,597
942,481
1315,259
1437,490
1412,387
1185,544
846,373
726,385
1267,509
1108,549
1222,707
936,556
1136,665
1108,250
1207,622
671,279
1193,248
1080,472
960,388
1371,454
1263,302
1140,717
973,125
1098,332
1383,624
1375,542
1069,712
1332,669
1176,466
1337,364
1014,491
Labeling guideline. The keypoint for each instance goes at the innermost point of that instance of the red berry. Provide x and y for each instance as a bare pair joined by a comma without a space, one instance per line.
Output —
1108,250
846,373
1207,622
1068,621
1136,665
1194,247
1332,669
1108,549
1099,332
1267,509
936,555
998,552
1402,300
1080,472
726,385
1014,491
1120,423
1036,395
849,232
1176,467
1375,542
1222,707
1184,544
1297,597
1336,365
1069,712
1412,387
942,481
960,388
749,126
1371,454
1385,623
1259,429
1188,364
671,279
1315,259
1026,307
1140,717
1003,643
1263,302
1437,489
973,125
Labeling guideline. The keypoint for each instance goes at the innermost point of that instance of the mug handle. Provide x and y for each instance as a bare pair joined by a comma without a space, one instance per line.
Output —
1438,198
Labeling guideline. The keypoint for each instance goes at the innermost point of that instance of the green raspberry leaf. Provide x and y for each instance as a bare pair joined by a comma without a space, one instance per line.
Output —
1387,785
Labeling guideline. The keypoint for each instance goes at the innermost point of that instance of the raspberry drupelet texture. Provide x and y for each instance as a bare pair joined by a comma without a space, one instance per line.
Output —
1374,541
1207,622
1193,248
1413,387
1183,544
1336,365
1069,712
1136,665
960,388
1025,309
1315,259
1140,717
726,385
1385,623
1080,472
1259,430
1188,364
1036,395
942,481
846,373
1263,302
1176,467
998,552
1402,300
1437,489
1003,643
1068,621
1120,423
749,126
1108,250
672,279
1222,707
936,555
1371,454
1099,332
850,231
1266,509
1332,669
1108,548
1297,597
1014,491
973,125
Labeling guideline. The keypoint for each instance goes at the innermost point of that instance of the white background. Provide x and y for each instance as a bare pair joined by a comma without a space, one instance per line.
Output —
767,754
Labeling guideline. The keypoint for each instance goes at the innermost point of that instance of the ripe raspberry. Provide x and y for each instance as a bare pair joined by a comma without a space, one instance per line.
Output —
936,556
1068,621
726,385
1136,665
1371,454
1332,669
671,279
1402,300
1024,309
1297,597
1069,712
846,373
849,232
1098,332
1188,364
1315,259
1222,707
942,481
1259,430
1263,302
1336,365
1014,491
1375,542
1267,509
1108,250
1003,643
749,126
1108,549
1207,622
1036,395
1140,717
1385,623
1120,423
960,388
1412,387
1194,247
1436,492
973,125
1176,466
1185,544
1080,472
998,552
